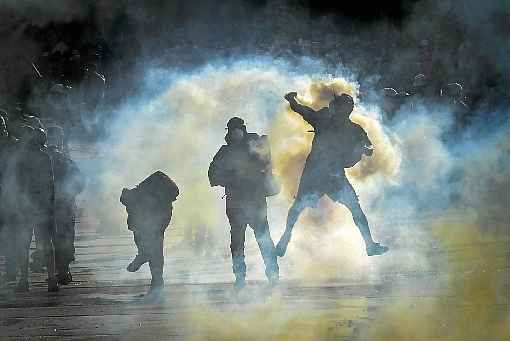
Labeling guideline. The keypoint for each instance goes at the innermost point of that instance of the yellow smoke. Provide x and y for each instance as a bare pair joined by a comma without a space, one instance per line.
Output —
290,145
471,303
273,320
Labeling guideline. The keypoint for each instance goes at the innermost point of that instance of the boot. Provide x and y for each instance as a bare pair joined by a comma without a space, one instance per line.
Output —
52,284
64,278
376,249
136,263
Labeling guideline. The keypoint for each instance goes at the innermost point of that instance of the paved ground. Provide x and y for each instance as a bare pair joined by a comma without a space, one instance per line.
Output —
104,301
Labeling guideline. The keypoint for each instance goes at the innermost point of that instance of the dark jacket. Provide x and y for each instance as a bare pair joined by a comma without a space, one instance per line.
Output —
68,178
149,205
243,170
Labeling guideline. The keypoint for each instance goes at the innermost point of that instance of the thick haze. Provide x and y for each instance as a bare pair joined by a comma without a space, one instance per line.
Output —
179,70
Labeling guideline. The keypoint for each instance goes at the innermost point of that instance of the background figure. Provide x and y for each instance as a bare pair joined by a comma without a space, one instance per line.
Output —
149,208
243,167
30,177
68,184
8,149
338,143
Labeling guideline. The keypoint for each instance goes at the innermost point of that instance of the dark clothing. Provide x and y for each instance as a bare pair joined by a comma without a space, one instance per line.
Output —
68,184
149,205
239,218
149,208
338,143
150,247
243,170
8,151
29,203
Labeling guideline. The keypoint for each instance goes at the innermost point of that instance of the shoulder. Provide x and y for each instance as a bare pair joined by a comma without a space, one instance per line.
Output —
254,137
223,149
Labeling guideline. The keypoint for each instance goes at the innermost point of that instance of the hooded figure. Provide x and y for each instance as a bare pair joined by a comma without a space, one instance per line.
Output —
29,193
149,208
243,168
68,184
338,143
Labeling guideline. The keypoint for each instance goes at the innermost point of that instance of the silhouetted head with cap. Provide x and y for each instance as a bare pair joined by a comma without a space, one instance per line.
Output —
236,131
342,105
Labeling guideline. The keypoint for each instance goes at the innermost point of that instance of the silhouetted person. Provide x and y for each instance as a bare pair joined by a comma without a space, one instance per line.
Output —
149,208
242,166
68,184
8,150
338,143
30,188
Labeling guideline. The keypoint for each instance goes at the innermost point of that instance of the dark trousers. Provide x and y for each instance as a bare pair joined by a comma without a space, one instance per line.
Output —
150,248
20,231
64,239
239,218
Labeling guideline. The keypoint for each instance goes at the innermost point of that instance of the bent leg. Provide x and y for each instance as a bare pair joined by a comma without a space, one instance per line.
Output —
347,196
292,216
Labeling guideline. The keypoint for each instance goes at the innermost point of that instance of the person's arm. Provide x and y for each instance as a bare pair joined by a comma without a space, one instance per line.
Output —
218,175
308,114
368,147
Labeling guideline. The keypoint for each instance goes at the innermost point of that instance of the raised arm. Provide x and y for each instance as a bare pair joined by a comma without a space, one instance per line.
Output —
307,113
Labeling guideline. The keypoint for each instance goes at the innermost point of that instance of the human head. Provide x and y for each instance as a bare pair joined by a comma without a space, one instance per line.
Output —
236,130
343,105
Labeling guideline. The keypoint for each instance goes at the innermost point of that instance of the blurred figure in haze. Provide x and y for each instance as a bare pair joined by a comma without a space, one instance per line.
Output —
149,208
68,184
8,150
243,167
338,143
30,187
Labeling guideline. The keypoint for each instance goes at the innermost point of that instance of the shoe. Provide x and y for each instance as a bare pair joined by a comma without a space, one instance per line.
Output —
137,263
52,284
240,283
376,249
22,286
64,278
281,247
155,291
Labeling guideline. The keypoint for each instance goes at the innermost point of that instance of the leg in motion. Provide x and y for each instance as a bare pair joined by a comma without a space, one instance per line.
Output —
141,258
237,238
348,197
295,211
266,246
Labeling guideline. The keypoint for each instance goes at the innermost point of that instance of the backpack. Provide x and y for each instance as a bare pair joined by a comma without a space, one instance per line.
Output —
160,187
358,140
260,145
